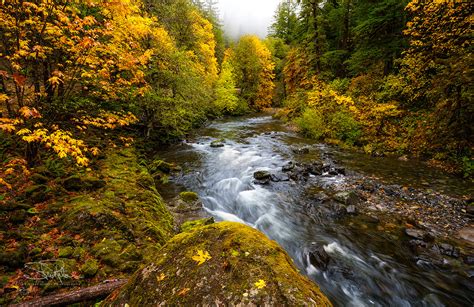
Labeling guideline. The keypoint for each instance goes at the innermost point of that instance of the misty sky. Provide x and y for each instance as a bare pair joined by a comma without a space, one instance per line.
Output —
247,16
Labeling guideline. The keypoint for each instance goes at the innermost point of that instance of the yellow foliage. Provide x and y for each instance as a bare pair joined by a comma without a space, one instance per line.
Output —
201,257
260,284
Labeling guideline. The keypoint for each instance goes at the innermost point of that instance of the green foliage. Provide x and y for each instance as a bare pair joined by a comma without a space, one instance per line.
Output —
226,100
344,127
311,123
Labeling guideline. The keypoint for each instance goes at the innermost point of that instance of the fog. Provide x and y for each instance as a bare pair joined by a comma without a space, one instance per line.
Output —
247,16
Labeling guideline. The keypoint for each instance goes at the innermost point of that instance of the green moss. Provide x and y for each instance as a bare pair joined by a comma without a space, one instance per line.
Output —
90,268
240,257
66,252
187,226
189,196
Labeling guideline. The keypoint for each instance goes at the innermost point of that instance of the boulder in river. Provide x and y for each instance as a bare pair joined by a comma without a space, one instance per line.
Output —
217,144
223,264
319,258
262,177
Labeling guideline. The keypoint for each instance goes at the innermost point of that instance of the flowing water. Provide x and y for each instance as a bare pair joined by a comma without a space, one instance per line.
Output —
368,267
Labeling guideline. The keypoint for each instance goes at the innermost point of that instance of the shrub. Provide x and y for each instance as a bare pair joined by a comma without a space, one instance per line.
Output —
345,127
311,123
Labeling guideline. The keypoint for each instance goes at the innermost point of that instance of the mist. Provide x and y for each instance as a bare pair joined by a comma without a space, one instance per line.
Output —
241,17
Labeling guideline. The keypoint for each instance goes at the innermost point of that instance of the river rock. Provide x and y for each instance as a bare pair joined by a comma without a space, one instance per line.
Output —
448,250
300,150
217,144
419,234
262,175
351,210
223,264
288,167
467,234
319,258
349,198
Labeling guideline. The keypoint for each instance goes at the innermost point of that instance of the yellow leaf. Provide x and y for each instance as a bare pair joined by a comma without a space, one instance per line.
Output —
161,277
201,257
260,284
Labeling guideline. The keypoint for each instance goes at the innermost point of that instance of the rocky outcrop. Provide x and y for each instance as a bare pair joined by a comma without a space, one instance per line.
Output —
219,264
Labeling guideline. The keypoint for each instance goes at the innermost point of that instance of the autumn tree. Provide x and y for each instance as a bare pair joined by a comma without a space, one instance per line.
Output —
226,99
254,71
438,66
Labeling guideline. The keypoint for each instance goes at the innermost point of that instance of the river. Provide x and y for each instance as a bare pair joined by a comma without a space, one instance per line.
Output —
368,265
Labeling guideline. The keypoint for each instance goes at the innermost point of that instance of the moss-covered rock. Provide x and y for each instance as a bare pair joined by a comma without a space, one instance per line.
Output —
220,264
66,252
187,226
189,196
90,268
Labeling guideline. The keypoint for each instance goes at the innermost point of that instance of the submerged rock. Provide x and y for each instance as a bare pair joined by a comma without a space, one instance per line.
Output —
220,264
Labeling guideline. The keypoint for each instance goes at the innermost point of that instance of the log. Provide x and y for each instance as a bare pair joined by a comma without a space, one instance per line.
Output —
77,296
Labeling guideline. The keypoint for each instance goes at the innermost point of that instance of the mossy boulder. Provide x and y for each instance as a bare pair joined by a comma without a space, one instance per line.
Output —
220,264
161,166
66,252
189,196
90,268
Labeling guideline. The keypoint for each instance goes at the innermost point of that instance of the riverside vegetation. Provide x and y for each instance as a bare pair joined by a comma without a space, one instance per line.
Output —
89,90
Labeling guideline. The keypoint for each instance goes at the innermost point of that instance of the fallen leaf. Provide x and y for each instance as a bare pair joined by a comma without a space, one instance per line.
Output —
201,257
183,292
260,284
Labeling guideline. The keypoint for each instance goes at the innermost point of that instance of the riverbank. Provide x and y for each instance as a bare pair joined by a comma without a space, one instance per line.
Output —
91,228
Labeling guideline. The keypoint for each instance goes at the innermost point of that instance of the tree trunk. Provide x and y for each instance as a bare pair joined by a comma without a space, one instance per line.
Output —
82,295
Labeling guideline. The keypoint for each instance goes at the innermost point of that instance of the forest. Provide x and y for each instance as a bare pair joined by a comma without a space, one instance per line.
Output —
89,90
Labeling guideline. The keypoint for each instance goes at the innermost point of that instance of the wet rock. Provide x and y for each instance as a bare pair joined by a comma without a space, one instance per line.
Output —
262,175
326,168
319,258
419,234
288,167
467,234
340,170
448,250
217,144
300,150
349,198
417,246
351,210
469,260
338,210
230,272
